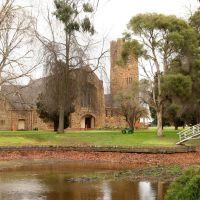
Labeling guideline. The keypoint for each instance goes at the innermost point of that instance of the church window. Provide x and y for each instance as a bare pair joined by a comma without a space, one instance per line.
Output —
129,80
86,100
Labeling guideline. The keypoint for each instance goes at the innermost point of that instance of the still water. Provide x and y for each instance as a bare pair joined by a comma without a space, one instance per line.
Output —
65,181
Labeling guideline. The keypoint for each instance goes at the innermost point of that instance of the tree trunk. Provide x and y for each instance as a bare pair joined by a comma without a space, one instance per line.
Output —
0,81
132,126
61,104
61,119
159,123
55,125
63,86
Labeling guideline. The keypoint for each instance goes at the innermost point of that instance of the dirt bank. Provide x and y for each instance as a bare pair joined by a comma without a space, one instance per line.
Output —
192,158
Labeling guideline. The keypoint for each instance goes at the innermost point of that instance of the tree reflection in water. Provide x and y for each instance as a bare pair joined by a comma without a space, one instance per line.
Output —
49,184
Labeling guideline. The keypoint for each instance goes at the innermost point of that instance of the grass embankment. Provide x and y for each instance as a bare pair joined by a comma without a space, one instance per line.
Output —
162,173
98,138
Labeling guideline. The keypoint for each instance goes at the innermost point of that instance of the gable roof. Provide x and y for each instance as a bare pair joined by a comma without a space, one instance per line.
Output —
23,97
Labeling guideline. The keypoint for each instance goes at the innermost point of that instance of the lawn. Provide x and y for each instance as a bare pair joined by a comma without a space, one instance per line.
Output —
99,138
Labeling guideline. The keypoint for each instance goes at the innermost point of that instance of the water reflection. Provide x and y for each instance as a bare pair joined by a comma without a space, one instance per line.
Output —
21,188
50,184
146,191
106,190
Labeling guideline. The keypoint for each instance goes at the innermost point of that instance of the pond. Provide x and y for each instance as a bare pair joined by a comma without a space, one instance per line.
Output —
74,181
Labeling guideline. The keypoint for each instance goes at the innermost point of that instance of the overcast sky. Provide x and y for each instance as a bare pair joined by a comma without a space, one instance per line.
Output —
113,16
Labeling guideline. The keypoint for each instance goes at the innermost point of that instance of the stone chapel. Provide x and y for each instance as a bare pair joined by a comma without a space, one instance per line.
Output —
18,103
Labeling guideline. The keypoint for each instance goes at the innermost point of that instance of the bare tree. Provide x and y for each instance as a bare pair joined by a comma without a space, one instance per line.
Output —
16,38
131,105
69,42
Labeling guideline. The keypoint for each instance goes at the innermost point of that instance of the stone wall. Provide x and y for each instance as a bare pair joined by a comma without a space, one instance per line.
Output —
113,120
5,115
24,116
96,111
38,123
9,118
30,119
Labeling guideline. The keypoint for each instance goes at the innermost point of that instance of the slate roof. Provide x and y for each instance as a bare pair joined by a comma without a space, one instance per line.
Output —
23,97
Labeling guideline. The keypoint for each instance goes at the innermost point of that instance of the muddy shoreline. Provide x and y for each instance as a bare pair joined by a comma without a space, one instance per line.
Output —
132,159
130,166
165,173
117,149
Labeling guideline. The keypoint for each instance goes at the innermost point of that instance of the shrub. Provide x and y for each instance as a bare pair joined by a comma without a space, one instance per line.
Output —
186,187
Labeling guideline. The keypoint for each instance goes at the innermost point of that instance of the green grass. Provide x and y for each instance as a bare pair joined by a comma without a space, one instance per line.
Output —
165,173
99,138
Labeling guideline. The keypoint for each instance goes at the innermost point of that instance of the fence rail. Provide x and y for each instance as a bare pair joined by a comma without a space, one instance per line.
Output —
189,133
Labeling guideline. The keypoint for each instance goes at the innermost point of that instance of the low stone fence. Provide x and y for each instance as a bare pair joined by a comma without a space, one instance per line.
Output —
119,149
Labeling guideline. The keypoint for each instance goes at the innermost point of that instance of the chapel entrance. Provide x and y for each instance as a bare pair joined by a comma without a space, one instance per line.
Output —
88,122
